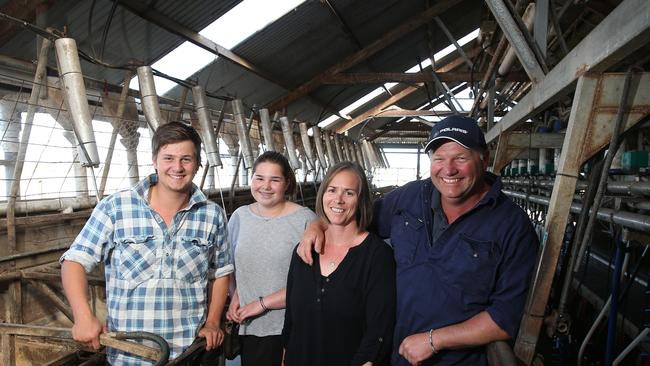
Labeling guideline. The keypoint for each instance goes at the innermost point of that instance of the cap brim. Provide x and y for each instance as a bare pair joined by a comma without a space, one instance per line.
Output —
431,143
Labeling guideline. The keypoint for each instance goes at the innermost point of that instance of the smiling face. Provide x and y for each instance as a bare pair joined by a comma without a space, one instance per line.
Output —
268,185
457,173
341,197
176,165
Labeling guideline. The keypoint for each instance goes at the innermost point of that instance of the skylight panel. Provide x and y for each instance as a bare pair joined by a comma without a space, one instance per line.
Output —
416,68
228,31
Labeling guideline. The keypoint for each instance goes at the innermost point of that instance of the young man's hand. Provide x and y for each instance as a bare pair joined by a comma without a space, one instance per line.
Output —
213,335
86,330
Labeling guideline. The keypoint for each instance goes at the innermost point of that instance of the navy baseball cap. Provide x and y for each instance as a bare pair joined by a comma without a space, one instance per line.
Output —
463,130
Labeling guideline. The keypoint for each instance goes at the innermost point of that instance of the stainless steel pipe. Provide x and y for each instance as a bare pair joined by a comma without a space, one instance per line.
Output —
207,127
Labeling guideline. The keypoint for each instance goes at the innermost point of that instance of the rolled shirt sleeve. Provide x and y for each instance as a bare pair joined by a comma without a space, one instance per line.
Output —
94,242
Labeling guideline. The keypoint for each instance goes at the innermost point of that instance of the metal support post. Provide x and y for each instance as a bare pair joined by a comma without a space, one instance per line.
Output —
516,39
540,29
593,110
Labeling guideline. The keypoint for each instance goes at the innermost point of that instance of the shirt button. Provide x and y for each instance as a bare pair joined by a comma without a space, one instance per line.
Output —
380,339
475,255
406,223
322,290
318,300
327,279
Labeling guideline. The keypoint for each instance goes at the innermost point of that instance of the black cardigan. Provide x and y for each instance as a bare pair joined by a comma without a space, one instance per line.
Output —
346,318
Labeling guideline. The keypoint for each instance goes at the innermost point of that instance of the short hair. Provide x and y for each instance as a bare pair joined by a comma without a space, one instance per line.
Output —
363,213
173,132
279,159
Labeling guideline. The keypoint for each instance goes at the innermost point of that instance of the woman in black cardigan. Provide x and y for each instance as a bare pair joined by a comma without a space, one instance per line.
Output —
341,310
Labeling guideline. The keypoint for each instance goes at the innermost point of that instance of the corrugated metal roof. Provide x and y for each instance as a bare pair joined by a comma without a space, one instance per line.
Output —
129,37
292,50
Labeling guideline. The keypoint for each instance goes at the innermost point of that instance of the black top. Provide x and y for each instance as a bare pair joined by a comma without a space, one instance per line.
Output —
346,318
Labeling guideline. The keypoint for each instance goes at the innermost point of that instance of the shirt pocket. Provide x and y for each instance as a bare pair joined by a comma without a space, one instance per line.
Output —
472,267
192,259
137,258
407,232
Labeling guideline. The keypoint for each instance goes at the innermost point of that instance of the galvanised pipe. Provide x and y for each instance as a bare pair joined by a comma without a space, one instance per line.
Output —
612,321
267,130
357,153
287,132
346,149
75,95
626,219
382,156
373,162
306,144
242,133
318,141
207,127
340,156
331,154
627,188
149,98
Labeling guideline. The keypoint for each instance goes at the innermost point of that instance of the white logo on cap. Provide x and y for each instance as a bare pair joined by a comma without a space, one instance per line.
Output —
452,129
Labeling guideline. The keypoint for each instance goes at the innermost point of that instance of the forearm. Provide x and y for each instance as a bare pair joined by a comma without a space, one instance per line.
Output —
276,300
475,331
218,292
75,287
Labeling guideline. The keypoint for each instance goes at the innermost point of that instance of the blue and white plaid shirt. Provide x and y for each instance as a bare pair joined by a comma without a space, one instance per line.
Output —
156,276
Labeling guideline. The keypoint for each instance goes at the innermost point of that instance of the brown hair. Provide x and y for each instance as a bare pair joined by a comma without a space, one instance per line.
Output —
173,132
363,214
279,159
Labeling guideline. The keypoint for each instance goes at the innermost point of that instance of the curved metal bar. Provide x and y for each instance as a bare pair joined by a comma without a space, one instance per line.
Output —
160,341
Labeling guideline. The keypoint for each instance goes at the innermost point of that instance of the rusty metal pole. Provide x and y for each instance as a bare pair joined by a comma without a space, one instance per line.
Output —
588,131
116,129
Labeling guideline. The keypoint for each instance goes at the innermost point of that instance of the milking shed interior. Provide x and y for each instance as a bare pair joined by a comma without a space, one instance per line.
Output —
560,87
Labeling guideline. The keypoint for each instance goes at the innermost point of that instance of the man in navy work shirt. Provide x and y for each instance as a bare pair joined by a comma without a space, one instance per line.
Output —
464,253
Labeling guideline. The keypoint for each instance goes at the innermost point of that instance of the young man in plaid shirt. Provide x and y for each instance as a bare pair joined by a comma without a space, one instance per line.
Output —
160,242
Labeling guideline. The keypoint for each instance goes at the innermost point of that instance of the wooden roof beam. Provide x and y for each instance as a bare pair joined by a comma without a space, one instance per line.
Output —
361,55
417,77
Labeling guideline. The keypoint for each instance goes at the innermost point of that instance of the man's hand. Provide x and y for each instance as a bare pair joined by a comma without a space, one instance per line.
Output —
313,237
416,348
86,330
213,335
250,311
